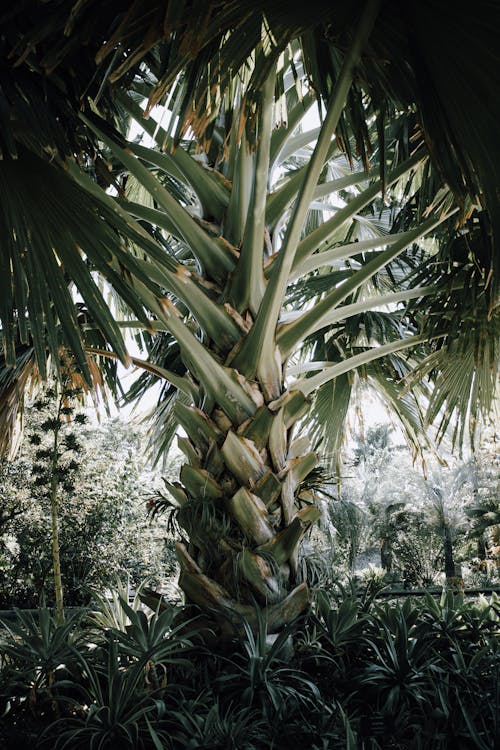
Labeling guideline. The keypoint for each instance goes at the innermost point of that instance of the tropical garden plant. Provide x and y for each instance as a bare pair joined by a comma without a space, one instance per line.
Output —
352,672
57,465
264,268
420,524
104,531
37,652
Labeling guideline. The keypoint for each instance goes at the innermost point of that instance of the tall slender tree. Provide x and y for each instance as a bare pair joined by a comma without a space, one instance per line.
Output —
56,465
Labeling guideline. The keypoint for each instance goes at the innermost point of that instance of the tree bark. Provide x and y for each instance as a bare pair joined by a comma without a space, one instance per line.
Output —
56,559
386,555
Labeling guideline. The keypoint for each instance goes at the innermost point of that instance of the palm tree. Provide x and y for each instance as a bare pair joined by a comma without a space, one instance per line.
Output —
385,494
446,520
262,281
485,517
483,511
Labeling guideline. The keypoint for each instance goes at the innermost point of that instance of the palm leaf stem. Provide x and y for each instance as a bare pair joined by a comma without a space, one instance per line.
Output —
211,316
297,142
163,268
314,319
357,308
343,252
240,168
208,191
179,382
332,371
324,232
124,211
217,260
257,353
281,135
213,195
278,201
248,283
220,383
153,216
124,220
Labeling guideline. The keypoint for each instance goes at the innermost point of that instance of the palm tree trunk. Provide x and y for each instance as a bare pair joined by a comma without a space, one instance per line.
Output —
449,561
386,555
454,580
242,509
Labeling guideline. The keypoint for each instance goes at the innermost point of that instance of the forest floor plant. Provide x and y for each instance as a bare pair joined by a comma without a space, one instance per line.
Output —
352,673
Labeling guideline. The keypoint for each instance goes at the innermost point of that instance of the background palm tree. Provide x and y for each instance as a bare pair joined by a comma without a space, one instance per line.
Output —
484,511
243,265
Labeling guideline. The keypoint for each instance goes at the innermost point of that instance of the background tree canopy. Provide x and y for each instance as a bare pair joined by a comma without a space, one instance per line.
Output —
104,531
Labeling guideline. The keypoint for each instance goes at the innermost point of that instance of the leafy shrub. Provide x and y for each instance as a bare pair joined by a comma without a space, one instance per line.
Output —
355,672
422,674
202,723
103,524
111,709
37,653
259,676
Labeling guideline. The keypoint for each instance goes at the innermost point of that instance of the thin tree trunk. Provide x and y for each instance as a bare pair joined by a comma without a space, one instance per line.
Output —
481,550
449,561
56,560
453,581
386,555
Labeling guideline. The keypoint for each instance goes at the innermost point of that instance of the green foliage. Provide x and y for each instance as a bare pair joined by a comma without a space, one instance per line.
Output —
417,675
37,652
418,550
396,676
119,712
352,673
259,676
104,529
200,723
153,643
416,523
13,494
206,256
108,611
52,247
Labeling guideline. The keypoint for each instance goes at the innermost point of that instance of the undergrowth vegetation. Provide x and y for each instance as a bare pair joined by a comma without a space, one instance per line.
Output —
353,673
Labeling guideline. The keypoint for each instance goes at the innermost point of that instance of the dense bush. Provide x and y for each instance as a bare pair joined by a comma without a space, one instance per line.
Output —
353,673
103,522
418,527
